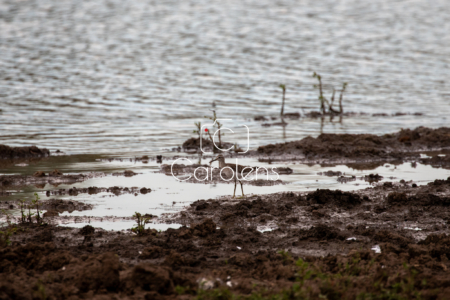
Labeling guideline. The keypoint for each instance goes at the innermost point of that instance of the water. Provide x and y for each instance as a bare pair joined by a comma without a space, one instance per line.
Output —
131,77
169,195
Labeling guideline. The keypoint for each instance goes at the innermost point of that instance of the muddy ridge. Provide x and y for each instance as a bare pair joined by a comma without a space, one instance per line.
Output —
96,190
41,178
53,205
7,152
363,146
55,178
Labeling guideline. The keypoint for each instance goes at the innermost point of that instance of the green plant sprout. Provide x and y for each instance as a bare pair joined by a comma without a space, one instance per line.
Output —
198,125
217,125
344,86
35,204
324,100
141,221
8,216
5,236
23,217
7,231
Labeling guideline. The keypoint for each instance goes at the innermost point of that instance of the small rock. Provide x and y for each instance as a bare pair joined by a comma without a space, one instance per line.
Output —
55,172
39,174
50,213
129,173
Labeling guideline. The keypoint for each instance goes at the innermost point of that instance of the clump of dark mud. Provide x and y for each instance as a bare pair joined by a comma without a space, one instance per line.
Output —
194,144
40,177
372,178
53,206
320,232
330,173
363,145
92,190
339,198
55,178
420,199
7,152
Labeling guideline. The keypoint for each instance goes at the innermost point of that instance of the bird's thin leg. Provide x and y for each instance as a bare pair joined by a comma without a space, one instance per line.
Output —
234,193
242,188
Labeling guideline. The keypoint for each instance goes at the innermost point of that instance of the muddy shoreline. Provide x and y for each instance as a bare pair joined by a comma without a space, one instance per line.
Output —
388,241
7,152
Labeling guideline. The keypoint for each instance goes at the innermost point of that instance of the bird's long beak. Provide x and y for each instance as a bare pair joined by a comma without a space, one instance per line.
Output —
214,159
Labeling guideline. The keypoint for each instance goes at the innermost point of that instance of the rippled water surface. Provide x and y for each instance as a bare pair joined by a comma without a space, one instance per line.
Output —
122,77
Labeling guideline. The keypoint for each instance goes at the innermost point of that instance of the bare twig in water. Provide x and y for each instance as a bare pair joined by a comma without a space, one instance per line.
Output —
284,93
216,124
321,97
199,128
341,110
330,107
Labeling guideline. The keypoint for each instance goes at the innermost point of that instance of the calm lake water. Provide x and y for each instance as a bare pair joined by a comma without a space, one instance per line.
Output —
131,77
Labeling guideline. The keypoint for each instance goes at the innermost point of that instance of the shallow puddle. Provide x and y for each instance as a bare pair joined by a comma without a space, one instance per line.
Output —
169,195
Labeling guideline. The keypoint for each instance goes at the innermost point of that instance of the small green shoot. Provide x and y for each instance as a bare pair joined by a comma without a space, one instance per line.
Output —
141,221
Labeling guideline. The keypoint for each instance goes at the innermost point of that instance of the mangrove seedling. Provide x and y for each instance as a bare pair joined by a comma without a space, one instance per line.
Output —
199,128
141,220
8,216
323,100
237,149
344,86
283,87
23,217
35,203
330,106
218,125
29,214
321,97
5,236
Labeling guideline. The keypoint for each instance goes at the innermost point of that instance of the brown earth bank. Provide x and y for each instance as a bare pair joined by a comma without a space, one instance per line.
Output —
56,178
363,146
7,152
320,247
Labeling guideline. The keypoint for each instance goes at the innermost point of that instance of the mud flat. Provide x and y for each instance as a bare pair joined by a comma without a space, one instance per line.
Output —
7,152
55,178
40,178
405,144
386,241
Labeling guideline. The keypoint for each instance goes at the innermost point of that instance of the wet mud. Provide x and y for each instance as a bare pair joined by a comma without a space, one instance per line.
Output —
51,206
93,190
56,178
40,178
7,152
313,245
399,145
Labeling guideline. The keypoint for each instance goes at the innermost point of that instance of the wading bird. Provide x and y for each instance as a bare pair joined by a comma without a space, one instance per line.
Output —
230,170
